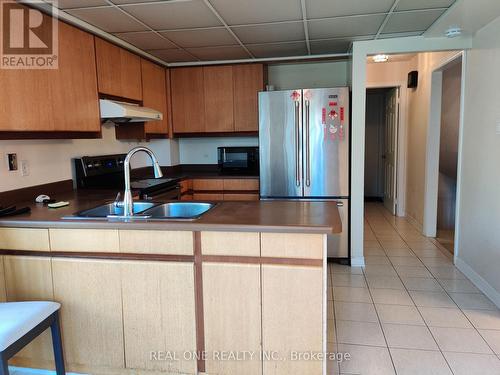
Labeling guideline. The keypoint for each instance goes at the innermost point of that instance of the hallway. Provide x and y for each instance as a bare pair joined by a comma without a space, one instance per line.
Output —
409,310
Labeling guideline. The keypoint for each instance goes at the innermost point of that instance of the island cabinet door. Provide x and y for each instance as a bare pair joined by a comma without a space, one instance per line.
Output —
292,319
30,279
91,313
231,301
159,316
3,293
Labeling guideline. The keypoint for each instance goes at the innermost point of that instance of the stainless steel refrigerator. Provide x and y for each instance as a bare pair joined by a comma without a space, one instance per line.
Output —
304,151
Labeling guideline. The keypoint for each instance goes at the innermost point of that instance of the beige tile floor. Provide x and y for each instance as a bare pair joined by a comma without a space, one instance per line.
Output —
409,311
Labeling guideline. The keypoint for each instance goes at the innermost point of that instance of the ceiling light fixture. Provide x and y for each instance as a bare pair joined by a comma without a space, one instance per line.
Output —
380,58
453,32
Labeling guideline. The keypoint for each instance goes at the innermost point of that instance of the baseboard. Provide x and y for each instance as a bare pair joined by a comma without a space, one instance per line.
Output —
358,262
478,281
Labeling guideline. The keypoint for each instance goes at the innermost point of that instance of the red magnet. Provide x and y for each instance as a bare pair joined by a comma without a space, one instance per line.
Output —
332,104
341,113
295,96
323,116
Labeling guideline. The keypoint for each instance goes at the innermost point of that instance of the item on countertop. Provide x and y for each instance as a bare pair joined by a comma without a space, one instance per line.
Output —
42,198
58,204
13,210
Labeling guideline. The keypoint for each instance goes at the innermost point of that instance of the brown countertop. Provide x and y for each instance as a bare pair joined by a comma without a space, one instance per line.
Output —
262,216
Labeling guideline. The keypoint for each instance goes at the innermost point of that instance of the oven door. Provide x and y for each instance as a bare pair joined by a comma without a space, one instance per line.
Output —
165,194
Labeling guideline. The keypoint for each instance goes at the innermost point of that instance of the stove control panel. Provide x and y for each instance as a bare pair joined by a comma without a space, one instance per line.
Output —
99,165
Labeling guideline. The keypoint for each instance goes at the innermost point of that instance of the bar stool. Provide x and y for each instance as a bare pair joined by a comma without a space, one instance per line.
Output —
21,323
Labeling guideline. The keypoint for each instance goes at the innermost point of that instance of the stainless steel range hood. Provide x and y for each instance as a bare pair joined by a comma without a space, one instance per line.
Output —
121,112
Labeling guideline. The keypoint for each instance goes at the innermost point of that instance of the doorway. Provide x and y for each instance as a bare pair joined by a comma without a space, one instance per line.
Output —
443,153
381,140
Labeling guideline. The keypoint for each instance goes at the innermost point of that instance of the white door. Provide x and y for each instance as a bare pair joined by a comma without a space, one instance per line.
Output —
390,148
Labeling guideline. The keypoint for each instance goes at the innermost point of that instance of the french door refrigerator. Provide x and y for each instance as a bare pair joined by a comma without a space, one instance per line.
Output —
304,151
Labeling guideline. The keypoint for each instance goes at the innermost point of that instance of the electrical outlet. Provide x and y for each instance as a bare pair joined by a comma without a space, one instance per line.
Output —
25,168
12,161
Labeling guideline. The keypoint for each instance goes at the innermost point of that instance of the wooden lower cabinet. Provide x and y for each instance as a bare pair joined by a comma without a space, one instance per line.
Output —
159,315
291,319
208,197
231,301
30,279
3,293
91,314
241,197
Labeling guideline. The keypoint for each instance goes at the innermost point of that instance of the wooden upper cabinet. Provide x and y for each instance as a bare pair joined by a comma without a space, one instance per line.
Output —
188,100
218,89
63,99
154,95
118,71
248,80
75,103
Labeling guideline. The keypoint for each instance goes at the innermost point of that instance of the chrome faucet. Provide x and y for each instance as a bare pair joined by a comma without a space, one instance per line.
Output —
128,204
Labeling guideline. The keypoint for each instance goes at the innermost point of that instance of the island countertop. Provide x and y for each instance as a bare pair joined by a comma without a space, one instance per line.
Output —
261,216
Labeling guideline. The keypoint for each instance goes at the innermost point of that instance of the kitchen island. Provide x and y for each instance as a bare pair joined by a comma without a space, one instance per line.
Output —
242,290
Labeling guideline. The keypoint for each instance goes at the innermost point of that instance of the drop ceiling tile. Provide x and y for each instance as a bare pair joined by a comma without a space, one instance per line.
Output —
108,19
336,8
278,49
146,40
239,12
423,4
274,32
174,14
220,53
201,37
172,55
323,46
67,4
411,21
345,27
329,46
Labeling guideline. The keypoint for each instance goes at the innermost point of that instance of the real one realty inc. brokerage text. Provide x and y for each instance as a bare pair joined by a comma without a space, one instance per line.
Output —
247,355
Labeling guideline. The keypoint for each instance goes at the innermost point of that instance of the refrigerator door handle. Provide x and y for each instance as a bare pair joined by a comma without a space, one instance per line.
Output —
308,150
297,144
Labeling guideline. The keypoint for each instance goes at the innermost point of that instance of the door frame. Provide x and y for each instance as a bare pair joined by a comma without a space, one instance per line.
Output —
401,141
432,149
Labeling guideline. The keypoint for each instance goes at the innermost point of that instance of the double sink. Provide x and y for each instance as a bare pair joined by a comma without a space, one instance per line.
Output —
148,210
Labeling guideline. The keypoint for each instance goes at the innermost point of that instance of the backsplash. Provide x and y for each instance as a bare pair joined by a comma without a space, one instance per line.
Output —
204,150
50,160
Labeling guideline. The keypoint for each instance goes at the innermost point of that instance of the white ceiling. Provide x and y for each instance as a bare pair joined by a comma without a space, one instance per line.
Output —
204,30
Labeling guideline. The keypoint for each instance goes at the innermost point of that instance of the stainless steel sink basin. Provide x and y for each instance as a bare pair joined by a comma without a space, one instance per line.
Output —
178,210
110,209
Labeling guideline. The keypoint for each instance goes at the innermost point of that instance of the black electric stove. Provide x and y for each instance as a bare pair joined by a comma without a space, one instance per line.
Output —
107,172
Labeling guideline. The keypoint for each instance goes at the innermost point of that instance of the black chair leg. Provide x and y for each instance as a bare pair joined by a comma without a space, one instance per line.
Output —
4,365
57,345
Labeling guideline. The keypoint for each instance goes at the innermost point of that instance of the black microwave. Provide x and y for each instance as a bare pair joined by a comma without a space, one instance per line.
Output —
240,160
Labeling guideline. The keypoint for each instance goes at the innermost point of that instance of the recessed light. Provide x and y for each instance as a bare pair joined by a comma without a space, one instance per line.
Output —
380,58
453,32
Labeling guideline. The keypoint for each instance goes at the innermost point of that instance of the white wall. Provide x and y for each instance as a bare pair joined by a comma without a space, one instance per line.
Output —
308,75
204,150
479,220
50,160
419,100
